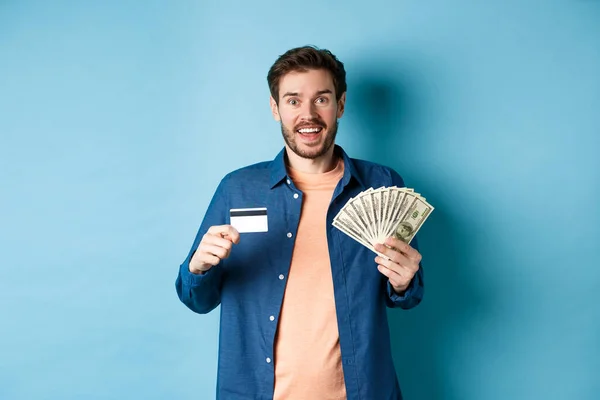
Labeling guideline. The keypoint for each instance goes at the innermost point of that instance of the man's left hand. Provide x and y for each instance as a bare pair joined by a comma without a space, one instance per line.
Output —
402,265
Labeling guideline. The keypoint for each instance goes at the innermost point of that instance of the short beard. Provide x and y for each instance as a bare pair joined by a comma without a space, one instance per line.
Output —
290,140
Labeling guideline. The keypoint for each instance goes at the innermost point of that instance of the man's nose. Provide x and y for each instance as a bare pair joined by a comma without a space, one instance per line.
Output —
308,111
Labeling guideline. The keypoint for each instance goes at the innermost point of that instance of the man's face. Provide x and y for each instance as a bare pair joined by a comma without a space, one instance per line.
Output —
308,112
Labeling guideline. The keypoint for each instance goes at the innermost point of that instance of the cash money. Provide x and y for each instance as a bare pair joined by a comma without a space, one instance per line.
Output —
376,214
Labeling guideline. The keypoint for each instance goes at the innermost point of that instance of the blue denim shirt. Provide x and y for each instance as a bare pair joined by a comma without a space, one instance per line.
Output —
250,284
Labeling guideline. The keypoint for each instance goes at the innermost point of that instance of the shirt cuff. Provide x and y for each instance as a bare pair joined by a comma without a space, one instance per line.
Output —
408,293
194,280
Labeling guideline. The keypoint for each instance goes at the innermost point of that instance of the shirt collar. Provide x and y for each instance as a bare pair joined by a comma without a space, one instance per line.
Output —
279,172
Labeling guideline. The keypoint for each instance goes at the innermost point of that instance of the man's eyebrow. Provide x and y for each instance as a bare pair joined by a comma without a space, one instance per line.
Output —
295,94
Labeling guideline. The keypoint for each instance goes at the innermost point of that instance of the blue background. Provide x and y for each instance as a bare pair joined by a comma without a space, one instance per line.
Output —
118,119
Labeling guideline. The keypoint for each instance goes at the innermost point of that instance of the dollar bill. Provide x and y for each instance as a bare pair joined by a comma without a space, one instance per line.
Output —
376,214
352,223
404,201
386,195
354,210
376,210
412,220
362,204
343,226
394,196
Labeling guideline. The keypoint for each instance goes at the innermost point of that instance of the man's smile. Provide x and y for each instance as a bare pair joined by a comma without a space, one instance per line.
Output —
310,130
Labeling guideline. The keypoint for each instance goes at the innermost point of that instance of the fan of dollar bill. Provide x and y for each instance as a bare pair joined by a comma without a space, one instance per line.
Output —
376,214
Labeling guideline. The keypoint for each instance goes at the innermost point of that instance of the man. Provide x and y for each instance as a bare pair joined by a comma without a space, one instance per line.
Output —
303,306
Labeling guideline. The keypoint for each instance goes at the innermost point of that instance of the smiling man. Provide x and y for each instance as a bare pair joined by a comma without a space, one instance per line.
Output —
303,306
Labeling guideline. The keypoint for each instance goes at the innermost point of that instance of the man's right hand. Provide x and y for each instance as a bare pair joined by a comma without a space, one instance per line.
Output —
215,246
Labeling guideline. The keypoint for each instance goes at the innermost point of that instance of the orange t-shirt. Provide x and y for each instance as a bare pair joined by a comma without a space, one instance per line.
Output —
307,348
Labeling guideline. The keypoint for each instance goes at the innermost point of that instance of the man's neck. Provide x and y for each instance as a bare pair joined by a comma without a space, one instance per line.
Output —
319,165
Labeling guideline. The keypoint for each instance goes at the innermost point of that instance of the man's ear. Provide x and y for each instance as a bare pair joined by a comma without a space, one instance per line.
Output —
274,109
341,105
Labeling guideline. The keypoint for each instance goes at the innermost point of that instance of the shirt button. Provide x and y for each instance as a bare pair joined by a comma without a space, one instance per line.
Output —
288,182
281,277
268,360
289,234
295,195
272,318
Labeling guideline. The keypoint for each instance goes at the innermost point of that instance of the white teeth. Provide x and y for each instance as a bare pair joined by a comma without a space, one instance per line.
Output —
309,130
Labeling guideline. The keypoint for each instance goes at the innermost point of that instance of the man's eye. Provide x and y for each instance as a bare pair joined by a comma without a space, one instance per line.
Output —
292,102
321,100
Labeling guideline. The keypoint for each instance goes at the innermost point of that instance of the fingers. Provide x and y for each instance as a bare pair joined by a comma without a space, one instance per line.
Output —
227,231
204,260
406,249
394,255
399,269
399,275
215,246
210,249
398,281
403,259
218,241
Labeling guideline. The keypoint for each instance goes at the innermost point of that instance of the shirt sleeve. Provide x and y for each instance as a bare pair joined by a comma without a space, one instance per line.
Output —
414,293
201,293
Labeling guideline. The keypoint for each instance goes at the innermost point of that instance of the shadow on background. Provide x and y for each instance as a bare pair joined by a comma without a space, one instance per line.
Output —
388,119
